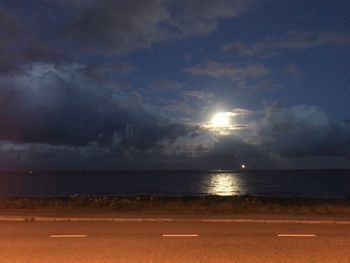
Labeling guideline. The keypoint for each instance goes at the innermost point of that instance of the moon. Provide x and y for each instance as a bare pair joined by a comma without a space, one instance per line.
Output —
221,120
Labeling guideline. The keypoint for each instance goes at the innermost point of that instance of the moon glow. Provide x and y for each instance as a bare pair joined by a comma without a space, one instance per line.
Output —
221,120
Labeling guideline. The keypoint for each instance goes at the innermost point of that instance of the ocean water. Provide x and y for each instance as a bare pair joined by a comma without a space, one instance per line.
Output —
291,183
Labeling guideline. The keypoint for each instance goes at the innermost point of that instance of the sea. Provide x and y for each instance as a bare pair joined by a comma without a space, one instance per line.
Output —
268,183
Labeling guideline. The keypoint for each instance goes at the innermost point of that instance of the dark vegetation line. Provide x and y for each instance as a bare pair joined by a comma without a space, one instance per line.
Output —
188,204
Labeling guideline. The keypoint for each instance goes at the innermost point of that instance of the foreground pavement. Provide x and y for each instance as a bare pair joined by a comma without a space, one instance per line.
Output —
183,239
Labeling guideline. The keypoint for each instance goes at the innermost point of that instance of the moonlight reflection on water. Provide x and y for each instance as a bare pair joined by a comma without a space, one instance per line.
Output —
225,184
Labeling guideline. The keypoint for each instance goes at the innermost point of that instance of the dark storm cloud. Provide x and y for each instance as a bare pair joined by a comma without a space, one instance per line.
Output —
303,131
39,51
59,105
291,42
19,46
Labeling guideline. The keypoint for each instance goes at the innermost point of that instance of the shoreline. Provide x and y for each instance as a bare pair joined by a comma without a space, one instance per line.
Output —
185,204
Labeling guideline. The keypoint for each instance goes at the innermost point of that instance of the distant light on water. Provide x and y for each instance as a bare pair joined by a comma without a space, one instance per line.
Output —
225,184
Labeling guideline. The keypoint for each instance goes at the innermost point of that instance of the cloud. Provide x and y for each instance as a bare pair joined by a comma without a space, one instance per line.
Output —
60,105
277,134
237,47
177,100
64,31
297,132
201,95
121,26
10,34
10,30
292,41
18,45
234,148
117,26
235,72
293,71
102,72
39,156
167,85
303,131
200,17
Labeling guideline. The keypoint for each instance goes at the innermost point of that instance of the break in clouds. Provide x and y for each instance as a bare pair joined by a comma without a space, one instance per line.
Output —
73,96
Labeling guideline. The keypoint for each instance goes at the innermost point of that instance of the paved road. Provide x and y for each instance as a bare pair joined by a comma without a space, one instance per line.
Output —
155,242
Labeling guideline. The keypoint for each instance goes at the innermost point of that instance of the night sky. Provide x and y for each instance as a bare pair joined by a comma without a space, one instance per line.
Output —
134,84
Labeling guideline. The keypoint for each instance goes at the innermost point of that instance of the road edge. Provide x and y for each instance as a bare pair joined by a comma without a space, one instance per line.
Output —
162,220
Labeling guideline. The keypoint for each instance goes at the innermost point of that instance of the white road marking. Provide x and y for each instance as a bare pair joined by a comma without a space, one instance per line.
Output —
67,236
296,235
180,235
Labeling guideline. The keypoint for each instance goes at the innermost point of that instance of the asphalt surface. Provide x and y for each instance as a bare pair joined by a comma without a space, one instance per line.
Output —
173,242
